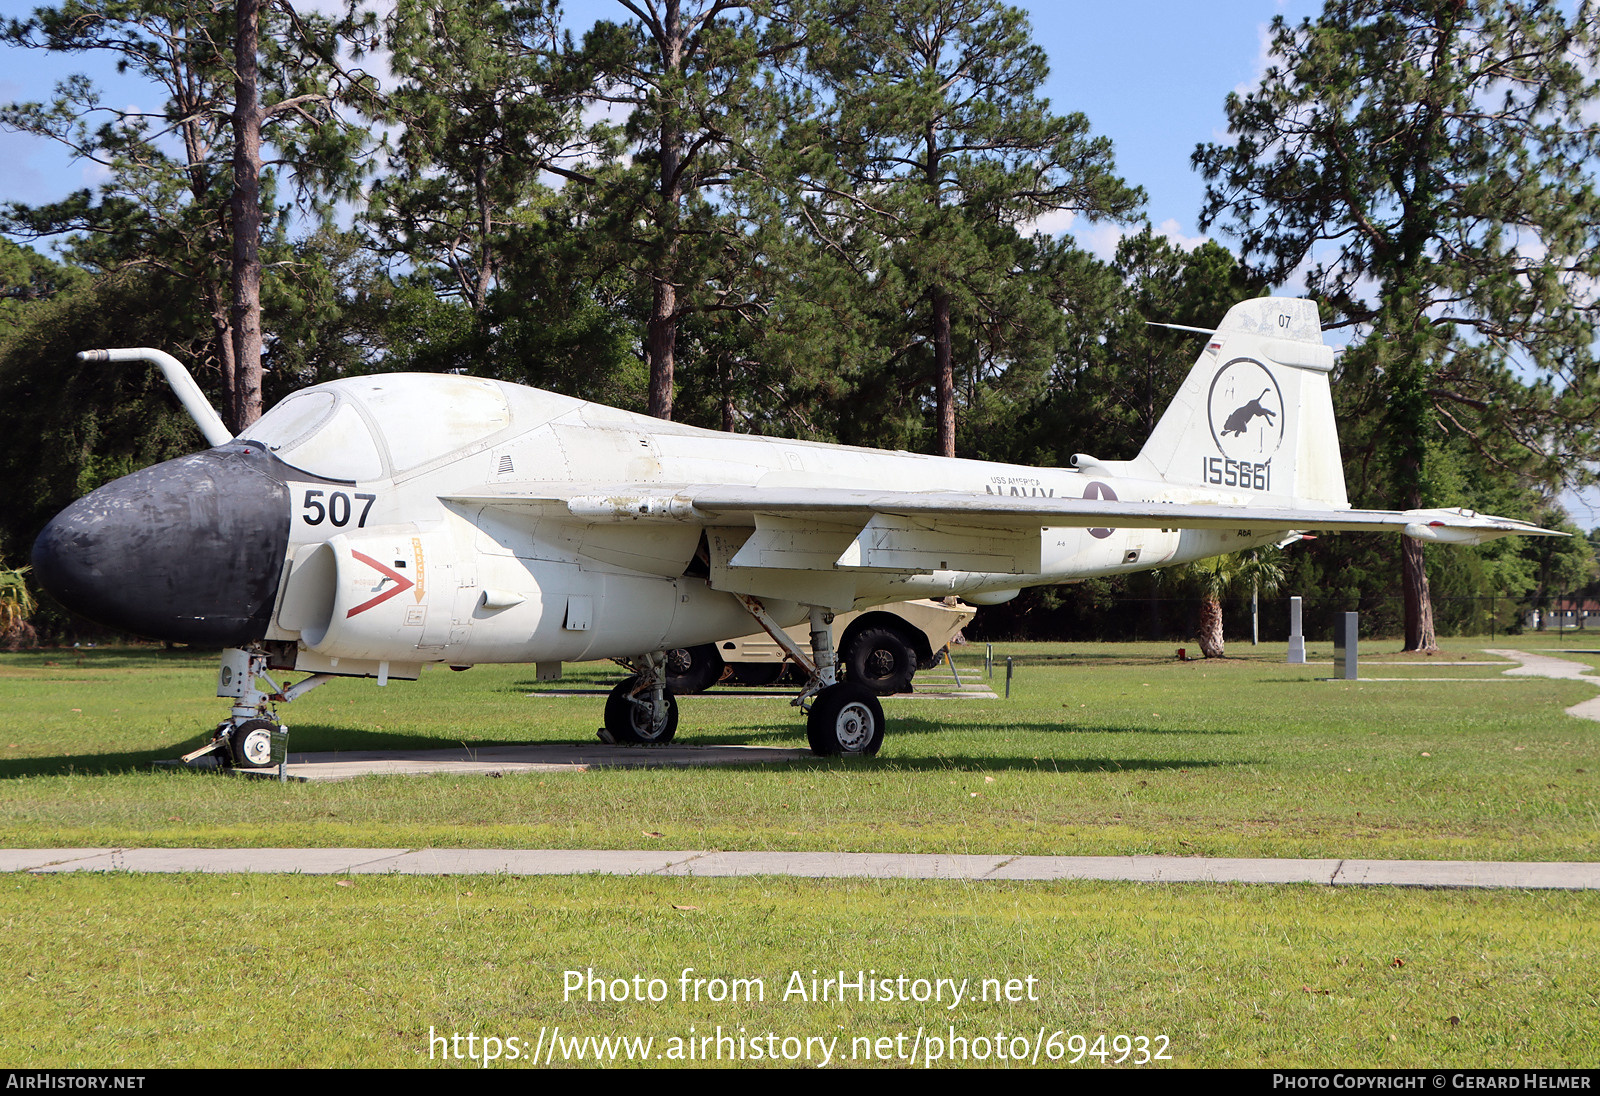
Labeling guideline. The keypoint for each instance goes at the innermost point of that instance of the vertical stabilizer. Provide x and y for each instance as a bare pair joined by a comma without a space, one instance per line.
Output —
1255,414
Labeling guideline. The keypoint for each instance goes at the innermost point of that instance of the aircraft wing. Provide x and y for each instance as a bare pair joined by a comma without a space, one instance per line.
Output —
725,505
1005,512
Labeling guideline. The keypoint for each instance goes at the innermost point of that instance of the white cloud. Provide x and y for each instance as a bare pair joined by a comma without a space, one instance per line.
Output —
94,174
1173,232
1053,223
1101,240
1264,59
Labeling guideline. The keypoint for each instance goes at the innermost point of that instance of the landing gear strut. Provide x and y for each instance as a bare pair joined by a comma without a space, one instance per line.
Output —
641,711
841,718
251,737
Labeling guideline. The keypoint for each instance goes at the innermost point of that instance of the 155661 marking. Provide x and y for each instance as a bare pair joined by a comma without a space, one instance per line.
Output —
1227,472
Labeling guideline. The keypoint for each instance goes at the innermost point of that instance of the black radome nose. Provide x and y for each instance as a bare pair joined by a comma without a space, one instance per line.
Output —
189,551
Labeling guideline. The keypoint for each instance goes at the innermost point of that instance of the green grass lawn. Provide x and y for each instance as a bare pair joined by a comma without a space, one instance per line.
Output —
1101,749
322,971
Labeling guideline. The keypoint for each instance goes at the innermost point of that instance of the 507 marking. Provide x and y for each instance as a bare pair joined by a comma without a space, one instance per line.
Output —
336,511
1227,472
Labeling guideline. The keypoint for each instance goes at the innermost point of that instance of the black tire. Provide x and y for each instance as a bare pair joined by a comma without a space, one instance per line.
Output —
693,669
756,675
628,720
845,719
881,660
250,744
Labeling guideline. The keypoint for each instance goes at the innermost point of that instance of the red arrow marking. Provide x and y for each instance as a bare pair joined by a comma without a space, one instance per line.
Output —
402,584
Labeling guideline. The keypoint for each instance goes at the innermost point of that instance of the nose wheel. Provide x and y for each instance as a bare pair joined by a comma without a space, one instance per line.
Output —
247,739
632,719
250,743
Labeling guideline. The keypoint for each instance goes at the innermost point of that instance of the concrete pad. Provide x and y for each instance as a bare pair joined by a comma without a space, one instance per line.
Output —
1169,869
500,760
840,865
1466,873
949,691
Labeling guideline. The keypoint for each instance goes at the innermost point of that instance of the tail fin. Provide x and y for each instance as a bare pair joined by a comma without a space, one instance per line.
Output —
1255,413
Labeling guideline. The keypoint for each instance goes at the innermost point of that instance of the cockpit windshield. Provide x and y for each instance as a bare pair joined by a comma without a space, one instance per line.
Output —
317,432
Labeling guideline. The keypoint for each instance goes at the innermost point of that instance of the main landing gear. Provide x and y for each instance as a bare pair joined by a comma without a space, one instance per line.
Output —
841,717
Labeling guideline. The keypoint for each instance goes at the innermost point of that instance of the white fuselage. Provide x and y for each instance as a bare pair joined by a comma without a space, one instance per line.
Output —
445,507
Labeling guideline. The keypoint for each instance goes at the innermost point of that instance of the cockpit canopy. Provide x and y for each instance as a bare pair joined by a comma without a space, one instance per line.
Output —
364,428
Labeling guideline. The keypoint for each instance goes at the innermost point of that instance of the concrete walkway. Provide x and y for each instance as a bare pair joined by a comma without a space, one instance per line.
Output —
1564,669
811,865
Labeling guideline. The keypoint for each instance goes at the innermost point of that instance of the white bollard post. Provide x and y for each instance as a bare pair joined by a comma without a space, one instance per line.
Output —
1297,639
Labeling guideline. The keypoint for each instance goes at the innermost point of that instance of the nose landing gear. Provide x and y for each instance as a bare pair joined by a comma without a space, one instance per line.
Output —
252,737
642,711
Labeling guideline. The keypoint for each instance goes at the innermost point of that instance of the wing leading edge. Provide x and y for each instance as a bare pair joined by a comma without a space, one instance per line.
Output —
968,514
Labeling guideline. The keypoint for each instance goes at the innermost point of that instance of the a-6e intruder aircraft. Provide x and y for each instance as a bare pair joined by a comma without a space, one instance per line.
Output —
370,526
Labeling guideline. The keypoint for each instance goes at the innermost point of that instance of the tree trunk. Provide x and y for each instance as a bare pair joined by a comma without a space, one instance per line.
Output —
246,310
661,334
1210,632
661,339
222,341
1418,602
943,358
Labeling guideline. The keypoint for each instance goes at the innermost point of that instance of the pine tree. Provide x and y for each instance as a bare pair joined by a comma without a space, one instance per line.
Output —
1430,165
692,76
932,158
178,210
480,112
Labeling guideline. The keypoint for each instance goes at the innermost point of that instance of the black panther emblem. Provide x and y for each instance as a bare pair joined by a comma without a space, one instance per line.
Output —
1247,429
1237,422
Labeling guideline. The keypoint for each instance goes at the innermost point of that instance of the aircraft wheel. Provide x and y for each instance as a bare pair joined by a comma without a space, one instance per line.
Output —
251,743
845,719
629,719
881,660
693,669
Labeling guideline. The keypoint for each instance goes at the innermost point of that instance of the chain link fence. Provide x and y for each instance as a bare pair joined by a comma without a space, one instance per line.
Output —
1087,617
